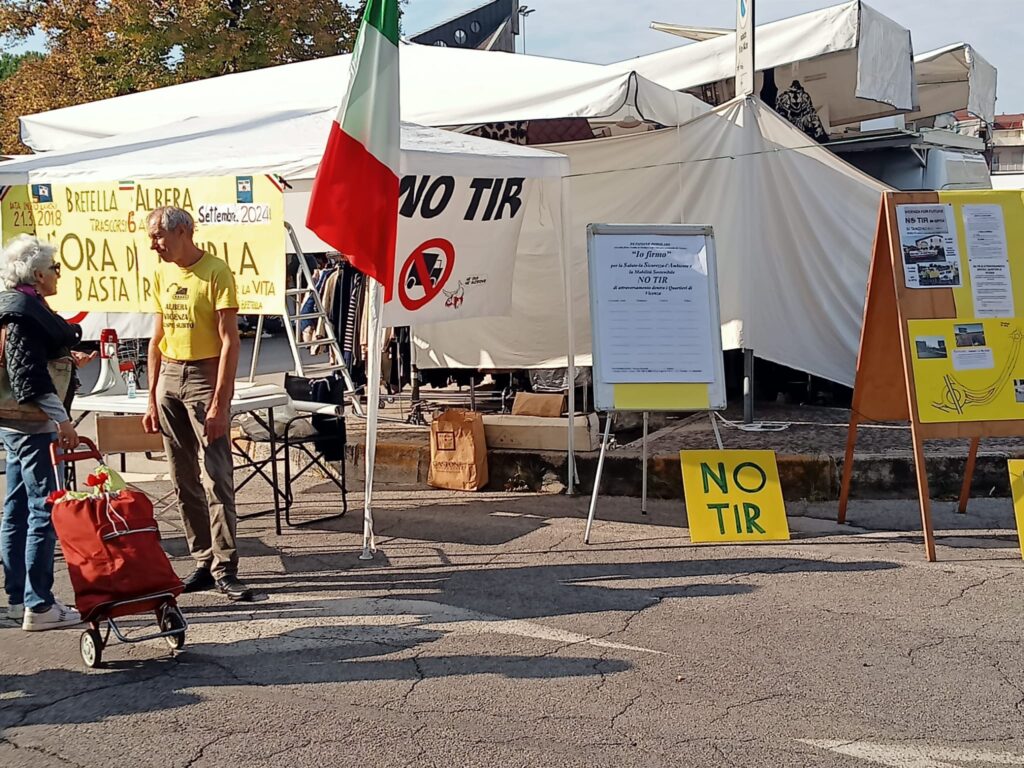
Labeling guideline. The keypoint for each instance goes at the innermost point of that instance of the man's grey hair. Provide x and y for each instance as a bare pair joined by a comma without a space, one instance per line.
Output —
172,219
22,257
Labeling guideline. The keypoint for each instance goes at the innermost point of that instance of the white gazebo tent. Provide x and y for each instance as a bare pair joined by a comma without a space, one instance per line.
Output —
953,78
290,144
440,87
793,228
855,63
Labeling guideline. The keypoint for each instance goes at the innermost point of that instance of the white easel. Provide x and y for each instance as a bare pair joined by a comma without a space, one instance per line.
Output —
601,260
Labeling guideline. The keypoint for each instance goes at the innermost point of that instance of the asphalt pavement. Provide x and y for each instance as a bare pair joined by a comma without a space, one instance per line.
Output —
485,633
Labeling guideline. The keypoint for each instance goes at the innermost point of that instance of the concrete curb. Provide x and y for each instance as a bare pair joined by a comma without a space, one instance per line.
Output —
803,477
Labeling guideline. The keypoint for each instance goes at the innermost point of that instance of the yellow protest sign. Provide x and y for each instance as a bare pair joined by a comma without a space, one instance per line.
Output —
99,230
968,370
733,496
969,367
1016,467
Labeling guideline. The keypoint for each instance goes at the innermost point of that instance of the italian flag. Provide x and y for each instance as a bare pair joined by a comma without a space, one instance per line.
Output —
354,204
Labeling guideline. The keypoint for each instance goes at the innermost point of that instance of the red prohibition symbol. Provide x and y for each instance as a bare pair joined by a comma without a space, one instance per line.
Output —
416,270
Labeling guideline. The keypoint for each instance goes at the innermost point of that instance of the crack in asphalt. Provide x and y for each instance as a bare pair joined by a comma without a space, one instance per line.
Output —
759,700
933,644
31,710
421,750
420,677
629,705
969,587
42,751
1019,704
319,742
202,750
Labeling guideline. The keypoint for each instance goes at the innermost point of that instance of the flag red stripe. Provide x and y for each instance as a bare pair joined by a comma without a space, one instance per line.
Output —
354,207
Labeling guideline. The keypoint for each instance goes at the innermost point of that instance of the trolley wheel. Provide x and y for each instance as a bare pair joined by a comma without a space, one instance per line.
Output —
173,621
90,645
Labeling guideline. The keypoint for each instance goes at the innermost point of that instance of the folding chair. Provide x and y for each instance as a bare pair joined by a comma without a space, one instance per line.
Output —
321,403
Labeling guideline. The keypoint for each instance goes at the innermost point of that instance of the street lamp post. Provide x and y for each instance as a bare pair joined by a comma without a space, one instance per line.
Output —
525,11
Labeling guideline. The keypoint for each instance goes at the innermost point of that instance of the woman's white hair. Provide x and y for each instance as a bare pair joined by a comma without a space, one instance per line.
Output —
22,257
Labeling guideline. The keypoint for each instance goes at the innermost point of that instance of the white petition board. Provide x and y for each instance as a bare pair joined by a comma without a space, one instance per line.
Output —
655,318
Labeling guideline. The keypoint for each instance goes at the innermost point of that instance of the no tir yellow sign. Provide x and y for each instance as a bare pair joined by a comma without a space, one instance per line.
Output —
733,496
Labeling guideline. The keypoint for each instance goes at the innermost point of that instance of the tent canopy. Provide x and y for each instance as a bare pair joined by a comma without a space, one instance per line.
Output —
440,87
854,62
953,78
289,143
793,226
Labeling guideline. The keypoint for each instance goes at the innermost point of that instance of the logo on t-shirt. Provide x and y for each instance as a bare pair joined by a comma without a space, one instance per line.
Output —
178,291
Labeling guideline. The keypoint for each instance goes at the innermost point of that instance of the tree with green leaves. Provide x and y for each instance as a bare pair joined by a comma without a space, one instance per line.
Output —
9,62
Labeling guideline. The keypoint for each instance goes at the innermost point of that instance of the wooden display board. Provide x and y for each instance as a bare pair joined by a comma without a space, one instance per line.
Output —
943,333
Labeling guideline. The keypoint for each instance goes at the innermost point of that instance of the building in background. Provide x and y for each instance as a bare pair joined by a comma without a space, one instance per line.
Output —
493,26
1008,144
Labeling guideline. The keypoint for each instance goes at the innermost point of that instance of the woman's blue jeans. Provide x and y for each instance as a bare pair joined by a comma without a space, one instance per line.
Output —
27,538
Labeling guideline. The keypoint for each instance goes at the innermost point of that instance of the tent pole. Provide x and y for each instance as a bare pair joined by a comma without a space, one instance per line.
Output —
748,386
570,319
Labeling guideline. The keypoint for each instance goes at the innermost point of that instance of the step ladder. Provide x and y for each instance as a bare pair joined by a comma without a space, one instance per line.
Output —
295,298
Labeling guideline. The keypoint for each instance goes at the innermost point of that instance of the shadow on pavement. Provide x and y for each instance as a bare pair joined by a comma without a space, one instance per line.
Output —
532,591
59,697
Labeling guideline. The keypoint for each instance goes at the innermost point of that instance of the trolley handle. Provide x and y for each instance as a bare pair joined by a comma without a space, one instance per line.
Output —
58,457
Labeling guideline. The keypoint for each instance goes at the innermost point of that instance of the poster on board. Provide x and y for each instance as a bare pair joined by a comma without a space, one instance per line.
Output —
929,247
99,230
988,260
456,249
655,319
654,297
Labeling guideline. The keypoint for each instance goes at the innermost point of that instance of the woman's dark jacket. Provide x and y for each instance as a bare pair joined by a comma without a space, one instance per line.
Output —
35,335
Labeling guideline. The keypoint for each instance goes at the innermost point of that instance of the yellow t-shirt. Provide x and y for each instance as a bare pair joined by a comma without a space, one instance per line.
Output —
189,299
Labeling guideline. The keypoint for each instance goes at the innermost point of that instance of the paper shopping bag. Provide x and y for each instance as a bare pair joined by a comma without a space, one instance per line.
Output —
458,451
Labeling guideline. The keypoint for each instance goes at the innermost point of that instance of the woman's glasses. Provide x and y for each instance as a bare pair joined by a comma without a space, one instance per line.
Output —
56,268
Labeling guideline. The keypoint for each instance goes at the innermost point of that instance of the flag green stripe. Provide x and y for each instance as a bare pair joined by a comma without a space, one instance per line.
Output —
370,111
383,16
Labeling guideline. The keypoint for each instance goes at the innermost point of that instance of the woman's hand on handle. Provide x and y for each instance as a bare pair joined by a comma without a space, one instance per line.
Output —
67,437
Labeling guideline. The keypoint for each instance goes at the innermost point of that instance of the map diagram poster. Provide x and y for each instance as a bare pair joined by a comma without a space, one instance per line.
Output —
968,370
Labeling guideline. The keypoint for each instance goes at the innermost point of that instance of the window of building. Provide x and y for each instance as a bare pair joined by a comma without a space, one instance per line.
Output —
441,44
475,26
460,36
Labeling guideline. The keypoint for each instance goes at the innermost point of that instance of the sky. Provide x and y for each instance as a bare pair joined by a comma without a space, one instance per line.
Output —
602,31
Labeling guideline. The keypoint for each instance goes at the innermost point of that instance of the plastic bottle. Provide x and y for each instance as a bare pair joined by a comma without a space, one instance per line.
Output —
130,377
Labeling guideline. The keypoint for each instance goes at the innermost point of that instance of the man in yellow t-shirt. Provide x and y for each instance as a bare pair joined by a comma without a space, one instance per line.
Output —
193,360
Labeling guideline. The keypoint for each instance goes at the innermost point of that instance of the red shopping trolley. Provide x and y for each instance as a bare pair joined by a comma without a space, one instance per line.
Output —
111,545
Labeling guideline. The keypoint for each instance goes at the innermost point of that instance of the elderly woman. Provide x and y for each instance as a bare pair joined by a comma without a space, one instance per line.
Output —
32,335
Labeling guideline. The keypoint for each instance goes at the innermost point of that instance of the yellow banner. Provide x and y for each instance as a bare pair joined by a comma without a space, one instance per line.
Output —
966,207
1016,468
733,496
971,367
99,230
968,370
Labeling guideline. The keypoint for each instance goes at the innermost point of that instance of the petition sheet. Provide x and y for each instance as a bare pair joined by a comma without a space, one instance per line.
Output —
653,309
988,260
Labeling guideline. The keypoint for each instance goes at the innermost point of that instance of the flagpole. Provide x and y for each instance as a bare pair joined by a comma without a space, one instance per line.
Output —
374,344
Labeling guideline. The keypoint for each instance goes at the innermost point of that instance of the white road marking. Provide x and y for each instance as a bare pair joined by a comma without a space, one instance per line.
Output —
312,623
908,756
